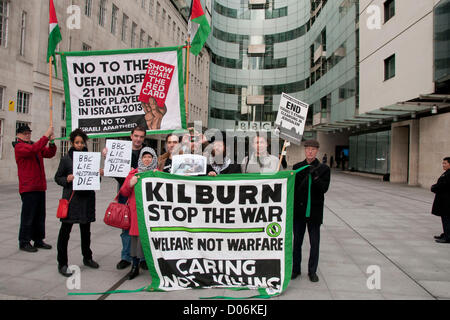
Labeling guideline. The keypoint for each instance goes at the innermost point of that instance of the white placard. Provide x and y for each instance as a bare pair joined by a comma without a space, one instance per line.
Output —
118,158
86,170
188,165
291,119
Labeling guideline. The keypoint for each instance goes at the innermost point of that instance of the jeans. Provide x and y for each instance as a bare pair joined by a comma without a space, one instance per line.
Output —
32,217
314,239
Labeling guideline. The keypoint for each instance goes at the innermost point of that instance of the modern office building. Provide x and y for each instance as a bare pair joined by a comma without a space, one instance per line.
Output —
375,72
85,25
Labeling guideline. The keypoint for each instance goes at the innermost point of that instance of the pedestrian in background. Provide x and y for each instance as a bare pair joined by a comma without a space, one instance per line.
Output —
147,161
320,181
81,207
441,204
331,161
32,186
325,159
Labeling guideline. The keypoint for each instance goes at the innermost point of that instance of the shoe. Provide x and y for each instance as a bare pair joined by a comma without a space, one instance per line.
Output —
63,270
439,237
122,264
442,240
313,277
143,265
28,248
90,263
42,245
295,275
133,273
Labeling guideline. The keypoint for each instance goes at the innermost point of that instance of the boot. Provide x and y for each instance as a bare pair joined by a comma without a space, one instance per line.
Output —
134,272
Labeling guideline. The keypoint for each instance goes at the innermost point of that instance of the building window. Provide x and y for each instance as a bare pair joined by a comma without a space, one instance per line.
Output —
124,27
115,11
158,10
64,146
88,7
63,110
102,13
95,145
86,47
23,102
2,91
389,10
143,2
151,6
133,35
23,28
1,137
149,42
4,16
142,39
389,67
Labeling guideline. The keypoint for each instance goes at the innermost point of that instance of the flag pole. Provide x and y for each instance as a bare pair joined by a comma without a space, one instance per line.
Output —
50,90
188,51
282,154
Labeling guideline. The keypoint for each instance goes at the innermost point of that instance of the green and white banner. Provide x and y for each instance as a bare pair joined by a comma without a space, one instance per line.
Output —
229,231
102,91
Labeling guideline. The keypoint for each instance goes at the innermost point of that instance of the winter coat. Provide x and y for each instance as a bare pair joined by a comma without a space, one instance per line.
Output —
232,168
320,181
30,163
82,205
128,192
441,204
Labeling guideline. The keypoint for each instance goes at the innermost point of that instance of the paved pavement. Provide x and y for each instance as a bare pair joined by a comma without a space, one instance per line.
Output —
367,223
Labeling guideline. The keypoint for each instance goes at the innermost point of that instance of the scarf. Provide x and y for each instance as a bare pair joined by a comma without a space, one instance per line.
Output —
218,168
153,165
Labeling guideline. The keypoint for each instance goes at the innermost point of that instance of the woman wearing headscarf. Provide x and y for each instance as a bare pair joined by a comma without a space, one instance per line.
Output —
147,161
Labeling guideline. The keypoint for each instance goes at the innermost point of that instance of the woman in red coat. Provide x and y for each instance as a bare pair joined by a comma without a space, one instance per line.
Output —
147,161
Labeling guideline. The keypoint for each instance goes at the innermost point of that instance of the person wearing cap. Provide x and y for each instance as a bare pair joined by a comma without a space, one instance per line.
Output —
320,181
32,186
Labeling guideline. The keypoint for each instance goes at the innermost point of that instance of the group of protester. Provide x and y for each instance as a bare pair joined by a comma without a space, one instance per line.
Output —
32,186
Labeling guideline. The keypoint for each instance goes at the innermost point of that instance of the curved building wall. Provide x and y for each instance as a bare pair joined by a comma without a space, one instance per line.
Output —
302,47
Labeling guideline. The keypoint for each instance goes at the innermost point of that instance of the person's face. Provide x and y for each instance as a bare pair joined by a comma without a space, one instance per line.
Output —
172,142
196,141
311,153
218,149
147,159
78,143
259,145
137,139
445,165
25,136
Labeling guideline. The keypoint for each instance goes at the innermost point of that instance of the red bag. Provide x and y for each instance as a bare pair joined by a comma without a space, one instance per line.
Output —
63,207
117,215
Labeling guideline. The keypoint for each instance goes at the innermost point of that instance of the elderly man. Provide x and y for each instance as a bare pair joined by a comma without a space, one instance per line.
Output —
32,186
320,181
441,204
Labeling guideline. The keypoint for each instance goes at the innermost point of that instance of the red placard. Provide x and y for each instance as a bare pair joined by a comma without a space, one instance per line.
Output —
157,82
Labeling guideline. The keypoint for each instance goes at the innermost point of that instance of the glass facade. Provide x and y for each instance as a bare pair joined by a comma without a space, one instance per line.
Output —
442,42
305,48
370,152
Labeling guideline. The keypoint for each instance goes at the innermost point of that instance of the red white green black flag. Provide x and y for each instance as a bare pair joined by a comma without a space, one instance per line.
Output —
55,34
199,28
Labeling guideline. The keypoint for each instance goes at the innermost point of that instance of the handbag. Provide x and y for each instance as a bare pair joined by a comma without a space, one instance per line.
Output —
63,207
118,215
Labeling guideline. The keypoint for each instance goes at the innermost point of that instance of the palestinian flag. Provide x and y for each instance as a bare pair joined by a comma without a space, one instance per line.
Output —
55,34
199,28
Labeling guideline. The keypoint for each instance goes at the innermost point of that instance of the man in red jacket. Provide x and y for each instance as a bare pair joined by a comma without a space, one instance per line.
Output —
32,186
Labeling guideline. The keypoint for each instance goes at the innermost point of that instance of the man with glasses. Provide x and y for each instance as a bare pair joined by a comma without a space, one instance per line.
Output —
32,185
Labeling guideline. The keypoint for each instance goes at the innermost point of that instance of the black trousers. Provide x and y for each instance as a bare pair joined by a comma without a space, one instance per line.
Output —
446,226
32,217
314,239
63,241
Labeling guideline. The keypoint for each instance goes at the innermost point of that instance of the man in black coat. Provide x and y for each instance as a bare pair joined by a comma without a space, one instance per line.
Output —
441,204
320,181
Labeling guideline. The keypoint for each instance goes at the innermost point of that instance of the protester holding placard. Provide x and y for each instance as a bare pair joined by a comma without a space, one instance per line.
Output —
147,161
165,160
32,186
318,175
137,143
219,162
260,161
81,207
